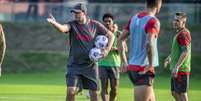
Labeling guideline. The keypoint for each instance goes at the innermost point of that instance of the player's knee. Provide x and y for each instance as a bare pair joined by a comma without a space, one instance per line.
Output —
183,94
173,93
71,92
93,93
114,90
104,91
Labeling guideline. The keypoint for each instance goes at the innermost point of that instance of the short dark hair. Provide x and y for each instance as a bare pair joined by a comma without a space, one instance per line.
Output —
152,3
108,15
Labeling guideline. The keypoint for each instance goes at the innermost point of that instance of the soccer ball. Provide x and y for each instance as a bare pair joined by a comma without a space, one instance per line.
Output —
95,54
101,41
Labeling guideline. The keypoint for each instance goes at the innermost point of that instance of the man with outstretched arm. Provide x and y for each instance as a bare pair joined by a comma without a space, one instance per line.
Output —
81,69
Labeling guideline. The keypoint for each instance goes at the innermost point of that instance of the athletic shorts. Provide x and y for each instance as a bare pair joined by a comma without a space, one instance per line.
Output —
141,79
74,80
180,83
109,72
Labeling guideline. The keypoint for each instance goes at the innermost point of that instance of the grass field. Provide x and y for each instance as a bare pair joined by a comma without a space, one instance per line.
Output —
51,87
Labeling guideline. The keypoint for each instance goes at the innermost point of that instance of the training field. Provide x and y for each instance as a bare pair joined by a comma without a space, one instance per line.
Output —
51,87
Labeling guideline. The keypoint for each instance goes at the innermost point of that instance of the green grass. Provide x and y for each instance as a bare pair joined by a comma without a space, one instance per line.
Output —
32,87
33,61
51,87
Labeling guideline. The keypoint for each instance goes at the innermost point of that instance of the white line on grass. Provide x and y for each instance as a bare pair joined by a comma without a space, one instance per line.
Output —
33,98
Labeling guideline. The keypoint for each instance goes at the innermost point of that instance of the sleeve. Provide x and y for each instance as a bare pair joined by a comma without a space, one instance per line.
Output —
152,27
101,29
127,26
184,39
68,23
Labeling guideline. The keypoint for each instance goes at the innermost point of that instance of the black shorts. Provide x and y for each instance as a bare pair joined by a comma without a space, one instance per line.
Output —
109,72
180,84
74,80
141,79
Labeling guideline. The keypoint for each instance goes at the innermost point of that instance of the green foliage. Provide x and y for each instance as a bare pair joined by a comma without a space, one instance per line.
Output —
34,62
196,63
17,62
26,40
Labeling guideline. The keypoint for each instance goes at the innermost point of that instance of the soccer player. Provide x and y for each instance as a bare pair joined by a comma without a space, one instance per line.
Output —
143,29
81,69
109,66
180,58
2,46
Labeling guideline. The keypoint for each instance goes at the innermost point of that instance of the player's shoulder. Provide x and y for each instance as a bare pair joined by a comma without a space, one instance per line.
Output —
138,15
154,21
94,21
141,14
185,32
71,22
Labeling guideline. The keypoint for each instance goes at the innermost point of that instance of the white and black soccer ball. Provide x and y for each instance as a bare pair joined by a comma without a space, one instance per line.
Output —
101,41
95,54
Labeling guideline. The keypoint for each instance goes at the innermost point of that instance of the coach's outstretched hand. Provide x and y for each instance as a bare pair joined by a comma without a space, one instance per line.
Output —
51,18
64,28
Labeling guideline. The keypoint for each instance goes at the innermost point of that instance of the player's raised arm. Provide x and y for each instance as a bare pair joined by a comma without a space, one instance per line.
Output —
61,27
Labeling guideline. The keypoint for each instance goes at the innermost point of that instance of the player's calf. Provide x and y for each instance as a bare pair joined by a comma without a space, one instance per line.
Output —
71,92
183,97
114,90
93,95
